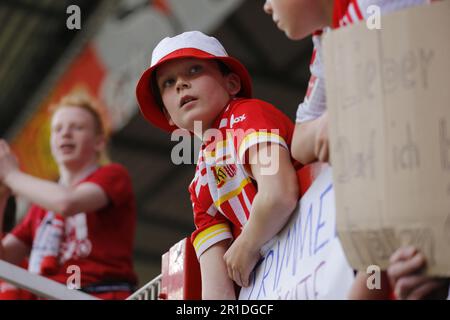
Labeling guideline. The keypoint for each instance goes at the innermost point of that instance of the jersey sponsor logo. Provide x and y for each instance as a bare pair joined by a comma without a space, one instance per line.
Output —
234,120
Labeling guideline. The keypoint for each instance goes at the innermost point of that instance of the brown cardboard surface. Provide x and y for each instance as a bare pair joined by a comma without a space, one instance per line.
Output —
388,96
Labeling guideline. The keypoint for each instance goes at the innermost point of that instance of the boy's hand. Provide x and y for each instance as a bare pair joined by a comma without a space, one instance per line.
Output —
271,208
8,161
406,278
321,143
240,259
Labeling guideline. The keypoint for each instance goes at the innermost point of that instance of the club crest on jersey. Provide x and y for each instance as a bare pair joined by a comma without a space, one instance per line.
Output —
223,173
234,120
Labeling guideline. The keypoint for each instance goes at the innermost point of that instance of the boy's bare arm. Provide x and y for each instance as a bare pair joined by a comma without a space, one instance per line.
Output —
310,141
216,285
85,197
272,206
13,250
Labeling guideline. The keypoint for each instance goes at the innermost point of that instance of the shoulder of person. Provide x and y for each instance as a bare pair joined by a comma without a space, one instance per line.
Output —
251,104
114,166
34,213
113,169
35,210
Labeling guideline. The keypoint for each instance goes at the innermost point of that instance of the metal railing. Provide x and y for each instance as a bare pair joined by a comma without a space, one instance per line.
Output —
150,291
39,285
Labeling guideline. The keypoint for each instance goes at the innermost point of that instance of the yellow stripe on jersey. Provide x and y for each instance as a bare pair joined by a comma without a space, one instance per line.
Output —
209,233
210,154
221,146
259,137
232,193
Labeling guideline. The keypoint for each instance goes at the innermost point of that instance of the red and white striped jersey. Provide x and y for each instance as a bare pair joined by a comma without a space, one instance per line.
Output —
223,190
346,12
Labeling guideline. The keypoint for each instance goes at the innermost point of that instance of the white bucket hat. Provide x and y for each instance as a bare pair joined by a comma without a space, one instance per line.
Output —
193,44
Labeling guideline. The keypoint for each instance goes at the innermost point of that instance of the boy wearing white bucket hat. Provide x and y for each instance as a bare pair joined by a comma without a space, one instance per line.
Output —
192,83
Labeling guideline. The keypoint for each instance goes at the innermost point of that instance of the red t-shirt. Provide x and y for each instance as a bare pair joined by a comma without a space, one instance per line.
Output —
100,243
222,190
339,11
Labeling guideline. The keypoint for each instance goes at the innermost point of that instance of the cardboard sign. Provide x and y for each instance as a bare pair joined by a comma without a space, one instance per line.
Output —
305,260
388,94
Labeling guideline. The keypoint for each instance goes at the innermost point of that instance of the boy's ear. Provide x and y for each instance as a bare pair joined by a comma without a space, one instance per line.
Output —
233,84
100,143
168,117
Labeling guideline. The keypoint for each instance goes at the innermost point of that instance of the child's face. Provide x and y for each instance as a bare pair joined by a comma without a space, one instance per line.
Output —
74,139
298,18
194,90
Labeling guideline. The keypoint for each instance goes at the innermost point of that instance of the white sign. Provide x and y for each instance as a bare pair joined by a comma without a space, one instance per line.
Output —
305,260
